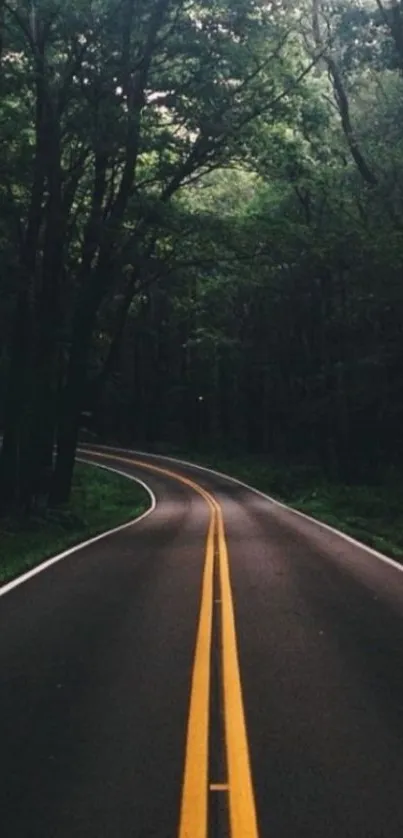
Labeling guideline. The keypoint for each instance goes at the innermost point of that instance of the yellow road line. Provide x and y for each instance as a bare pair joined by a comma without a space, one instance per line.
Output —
243,819
193,817
194,806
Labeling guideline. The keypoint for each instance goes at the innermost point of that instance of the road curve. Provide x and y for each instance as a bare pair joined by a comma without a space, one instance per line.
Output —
222,616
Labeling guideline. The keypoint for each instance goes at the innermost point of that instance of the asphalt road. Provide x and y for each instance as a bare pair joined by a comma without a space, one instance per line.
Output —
120,664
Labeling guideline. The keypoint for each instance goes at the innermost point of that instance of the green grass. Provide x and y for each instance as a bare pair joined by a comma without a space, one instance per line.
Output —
371,514
100,500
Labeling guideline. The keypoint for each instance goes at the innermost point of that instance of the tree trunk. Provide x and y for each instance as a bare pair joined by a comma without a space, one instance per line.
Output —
71,404
48,324
16,455
69,425
17,384
392,16
342,101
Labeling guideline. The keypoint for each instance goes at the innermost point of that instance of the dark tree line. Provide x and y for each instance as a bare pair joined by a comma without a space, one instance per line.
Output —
201,220
283,337
108,109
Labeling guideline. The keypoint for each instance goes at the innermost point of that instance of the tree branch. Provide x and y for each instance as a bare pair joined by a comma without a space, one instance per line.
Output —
342,102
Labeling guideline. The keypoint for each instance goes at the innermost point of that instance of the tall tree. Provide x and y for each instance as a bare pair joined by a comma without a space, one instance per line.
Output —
126,102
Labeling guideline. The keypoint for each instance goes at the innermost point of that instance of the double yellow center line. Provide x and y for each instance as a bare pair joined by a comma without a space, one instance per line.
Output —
196,782
194,810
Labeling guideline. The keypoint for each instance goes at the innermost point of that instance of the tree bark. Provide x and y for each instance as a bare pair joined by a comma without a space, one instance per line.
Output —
71,403
13,472
14,407
342,101
392,16
48,321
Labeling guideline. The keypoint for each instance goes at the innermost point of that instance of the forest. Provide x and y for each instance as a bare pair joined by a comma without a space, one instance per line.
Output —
201,234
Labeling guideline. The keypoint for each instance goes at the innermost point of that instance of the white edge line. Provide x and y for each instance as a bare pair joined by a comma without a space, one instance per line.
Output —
49,562
321,524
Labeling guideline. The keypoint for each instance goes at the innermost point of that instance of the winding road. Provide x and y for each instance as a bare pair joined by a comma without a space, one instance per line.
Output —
222,668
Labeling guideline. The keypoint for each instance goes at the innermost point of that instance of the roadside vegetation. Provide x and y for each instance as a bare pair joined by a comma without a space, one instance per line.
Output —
372,512
201,244
100,500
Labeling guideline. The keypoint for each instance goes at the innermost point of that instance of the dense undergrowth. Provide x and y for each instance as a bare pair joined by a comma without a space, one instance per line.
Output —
370,513
100,500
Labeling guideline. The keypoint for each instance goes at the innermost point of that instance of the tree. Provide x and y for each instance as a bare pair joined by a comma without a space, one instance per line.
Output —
201,231
126,102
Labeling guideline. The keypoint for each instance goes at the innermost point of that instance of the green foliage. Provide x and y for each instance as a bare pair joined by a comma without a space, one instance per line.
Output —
201,215
108,110
100,500
371,514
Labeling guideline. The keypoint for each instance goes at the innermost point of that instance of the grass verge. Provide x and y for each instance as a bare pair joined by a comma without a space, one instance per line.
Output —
100,500
372,514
